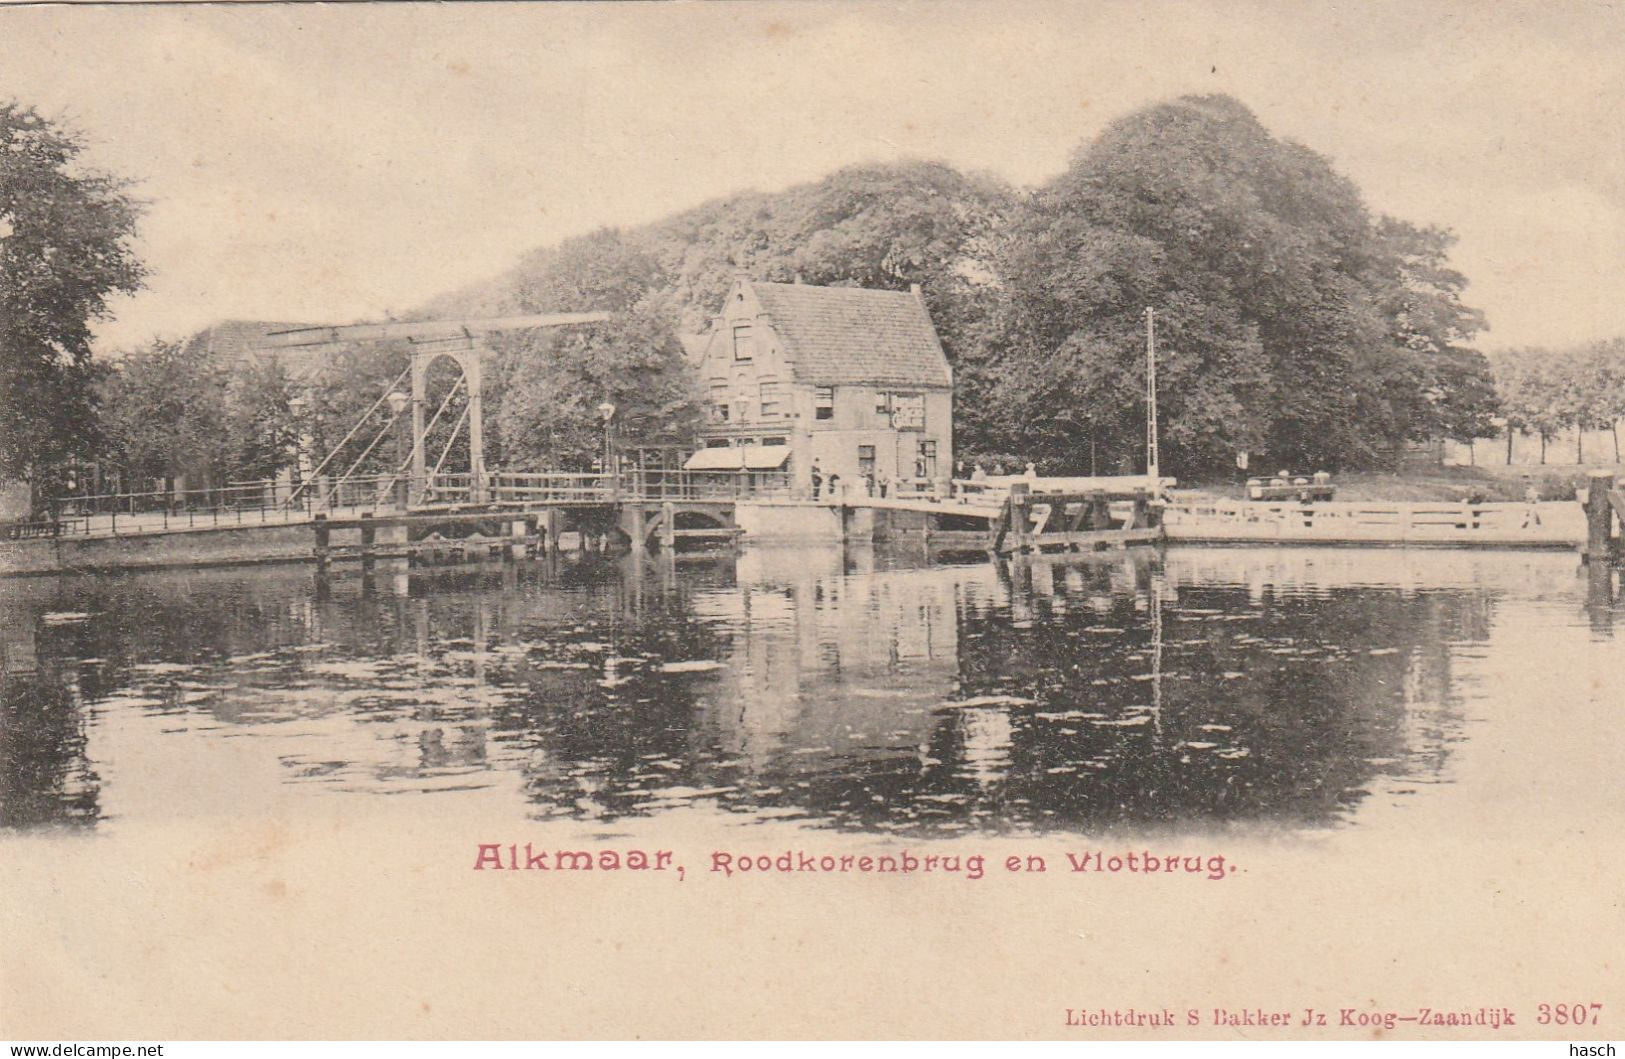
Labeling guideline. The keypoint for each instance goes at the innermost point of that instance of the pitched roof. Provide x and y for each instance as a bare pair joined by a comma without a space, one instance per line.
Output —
839,336
238,340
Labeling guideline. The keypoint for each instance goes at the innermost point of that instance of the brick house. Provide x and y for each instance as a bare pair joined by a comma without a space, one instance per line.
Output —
851,379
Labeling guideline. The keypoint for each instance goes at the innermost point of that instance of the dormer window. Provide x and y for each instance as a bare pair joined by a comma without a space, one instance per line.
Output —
742,343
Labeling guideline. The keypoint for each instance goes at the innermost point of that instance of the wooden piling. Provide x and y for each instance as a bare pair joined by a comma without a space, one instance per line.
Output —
554,520
668,527
319,524
1601,546
1100,511
1142,510
1020,517
369,539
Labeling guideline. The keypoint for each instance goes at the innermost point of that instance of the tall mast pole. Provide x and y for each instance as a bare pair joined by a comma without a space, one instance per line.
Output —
1151,460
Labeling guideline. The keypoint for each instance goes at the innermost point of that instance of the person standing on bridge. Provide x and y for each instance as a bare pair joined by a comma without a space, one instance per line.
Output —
817,479
884,481
1531,497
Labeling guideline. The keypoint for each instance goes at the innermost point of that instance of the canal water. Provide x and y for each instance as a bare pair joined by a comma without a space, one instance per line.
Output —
1248,690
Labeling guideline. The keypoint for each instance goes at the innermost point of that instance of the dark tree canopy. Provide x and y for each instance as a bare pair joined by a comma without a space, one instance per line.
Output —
880,226
65,232
550,382
1292,322
883,226
165,413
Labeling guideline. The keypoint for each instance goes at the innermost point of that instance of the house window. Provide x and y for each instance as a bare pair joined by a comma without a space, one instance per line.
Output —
742,342
775,441
882,404
824,402
866,460
770,400
719,412
925,464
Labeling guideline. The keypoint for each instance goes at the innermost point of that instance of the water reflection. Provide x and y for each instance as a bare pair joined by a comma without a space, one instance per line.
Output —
841,688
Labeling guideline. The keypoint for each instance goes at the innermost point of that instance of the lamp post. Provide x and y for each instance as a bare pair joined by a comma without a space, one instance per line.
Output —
397,404
607,412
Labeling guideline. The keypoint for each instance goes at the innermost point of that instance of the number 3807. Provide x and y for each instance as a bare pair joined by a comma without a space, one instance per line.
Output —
1569,1014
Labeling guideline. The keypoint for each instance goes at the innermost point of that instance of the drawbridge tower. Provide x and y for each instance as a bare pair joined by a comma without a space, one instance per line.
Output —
463,341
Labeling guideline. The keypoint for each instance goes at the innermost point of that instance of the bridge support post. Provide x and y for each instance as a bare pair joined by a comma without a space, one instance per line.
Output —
419,477
1601,545
1142,511
1100,512
516,538
668,526
319,524
369,538
474,371
1020,517
554,521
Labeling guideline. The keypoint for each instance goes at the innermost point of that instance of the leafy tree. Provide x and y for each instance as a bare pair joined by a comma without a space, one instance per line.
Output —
1419,293
341,395
1598,387
164,414
1290,321
260,421
65,231
1534,392
550,382
1609,367
1545,392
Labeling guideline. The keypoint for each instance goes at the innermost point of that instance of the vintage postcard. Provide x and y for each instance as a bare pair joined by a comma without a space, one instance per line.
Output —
908,520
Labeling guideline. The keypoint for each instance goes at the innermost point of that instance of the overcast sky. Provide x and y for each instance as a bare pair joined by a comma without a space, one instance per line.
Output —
334,163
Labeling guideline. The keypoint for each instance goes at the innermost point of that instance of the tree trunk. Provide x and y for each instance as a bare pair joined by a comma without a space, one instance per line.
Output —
1543,448
1509,444
1579,444
1614,429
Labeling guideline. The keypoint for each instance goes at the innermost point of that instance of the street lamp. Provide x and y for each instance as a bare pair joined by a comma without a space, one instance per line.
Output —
397,404
607,412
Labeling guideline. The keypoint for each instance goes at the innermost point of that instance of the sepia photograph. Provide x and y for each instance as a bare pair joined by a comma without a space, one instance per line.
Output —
798,520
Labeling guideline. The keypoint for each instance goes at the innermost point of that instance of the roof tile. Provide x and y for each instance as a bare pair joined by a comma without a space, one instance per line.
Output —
842,336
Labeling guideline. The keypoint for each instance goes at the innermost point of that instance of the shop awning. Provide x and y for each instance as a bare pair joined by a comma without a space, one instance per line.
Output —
722,459
765,457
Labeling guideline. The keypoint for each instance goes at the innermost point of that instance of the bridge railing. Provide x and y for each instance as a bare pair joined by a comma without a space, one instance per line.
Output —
157,510
528,488
1545,523
656,484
